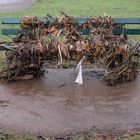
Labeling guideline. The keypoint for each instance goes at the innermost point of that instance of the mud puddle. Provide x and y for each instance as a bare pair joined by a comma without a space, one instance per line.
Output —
54,104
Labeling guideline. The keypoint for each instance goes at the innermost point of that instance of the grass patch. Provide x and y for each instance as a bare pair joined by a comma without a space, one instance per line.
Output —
81,8
2,60
5,136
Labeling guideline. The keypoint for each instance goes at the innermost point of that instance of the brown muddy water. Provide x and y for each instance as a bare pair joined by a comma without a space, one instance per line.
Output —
55,105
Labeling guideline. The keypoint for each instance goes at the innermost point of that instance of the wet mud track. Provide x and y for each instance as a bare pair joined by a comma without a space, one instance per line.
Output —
54,104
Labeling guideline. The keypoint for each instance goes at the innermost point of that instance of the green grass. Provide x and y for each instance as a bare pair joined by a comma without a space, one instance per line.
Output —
82,8
2,60
134,138
5,136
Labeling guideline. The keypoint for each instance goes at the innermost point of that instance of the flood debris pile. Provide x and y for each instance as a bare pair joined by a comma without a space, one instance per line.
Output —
54,39
23,63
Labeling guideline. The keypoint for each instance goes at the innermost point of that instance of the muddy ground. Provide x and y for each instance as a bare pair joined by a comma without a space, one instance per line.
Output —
55,105
15,5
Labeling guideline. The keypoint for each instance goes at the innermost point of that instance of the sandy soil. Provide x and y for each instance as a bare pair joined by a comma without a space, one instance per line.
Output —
15,5
55,105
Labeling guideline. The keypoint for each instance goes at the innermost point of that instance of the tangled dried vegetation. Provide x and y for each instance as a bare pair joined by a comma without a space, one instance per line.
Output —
61,39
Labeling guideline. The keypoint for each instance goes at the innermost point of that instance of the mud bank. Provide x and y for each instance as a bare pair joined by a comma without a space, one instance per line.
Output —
15,5
54,104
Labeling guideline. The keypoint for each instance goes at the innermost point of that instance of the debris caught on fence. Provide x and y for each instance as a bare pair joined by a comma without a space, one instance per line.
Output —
56,39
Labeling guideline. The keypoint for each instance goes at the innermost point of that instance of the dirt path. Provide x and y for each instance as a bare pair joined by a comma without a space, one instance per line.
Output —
56,105
15,5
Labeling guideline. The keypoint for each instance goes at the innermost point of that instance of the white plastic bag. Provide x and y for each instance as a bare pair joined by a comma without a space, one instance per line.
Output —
79,79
